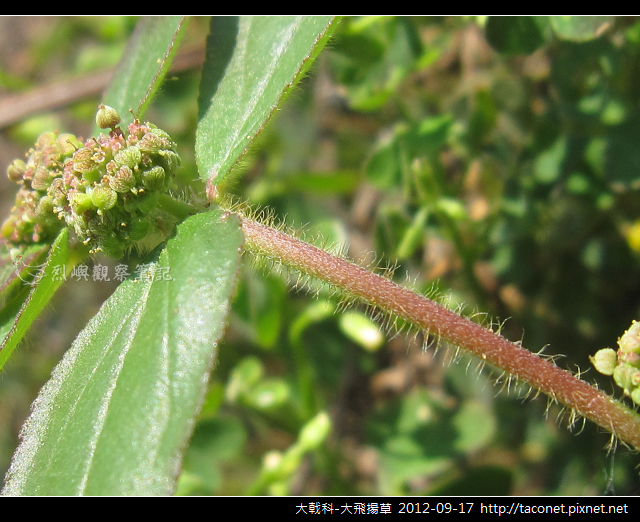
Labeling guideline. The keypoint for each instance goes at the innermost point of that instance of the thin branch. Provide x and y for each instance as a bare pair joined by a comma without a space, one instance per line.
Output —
16,107
542,374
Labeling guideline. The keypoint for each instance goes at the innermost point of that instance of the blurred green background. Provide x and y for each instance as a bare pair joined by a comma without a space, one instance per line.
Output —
493,161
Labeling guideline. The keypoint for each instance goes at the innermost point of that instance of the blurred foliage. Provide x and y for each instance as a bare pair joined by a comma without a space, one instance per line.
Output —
492,161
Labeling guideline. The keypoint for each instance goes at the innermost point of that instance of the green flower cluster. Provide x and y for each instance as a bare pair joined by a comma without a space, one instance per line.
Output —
623,364
106,189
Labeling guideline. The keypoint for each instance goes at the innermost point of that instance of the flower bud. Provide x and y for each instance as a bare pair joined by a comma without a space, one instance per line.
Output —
131,157
151,143
8,228
68,144
123,180
630,358
83,160
160,133
630,340
16,170
627,377
153,179
80,202
41,179
104,198
170,161
107,117
604,361
57,192
46,139
45,207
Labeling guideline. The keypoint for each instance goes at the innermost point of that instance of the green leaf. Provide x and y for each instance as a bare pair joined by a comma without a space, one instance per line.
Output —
119,409
18,315
144,65
514,34
580,28
251,62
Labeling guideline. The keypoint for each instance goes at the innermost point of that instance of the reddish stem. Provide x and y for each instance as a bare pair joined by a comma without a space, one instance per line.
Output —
435,319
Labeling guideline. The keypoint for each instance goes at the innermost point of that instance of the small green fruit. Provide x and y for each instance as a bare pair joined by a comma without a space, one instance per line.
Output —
627,377
68,144
107,117
104,198
630,340
153,179
604,361
80,202
130,157
151,143
41,179
169,160
83,160
16,170
123,180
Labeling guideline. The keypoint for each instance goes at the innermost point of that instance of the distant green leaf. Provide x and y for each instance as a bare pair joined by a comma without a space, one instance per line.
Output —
214,441
514,34
119,409
144,65
580,28
251,62
45,279
475,424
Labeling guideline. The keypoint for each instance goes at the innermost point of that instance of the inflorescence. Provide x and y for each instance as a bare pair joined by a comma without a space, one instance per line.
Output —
623,364
105,189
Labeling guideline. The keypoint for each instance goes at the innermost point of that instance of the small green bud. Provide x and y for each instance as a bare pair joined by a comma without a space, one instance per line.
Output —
604,361
80,202
41,179
157,130
46,139
627,377
57,192
92,177
45,207
51,155
7,229
68,144
630,358
107,117
151,143
104,198
16,170
83,160
123,180
169,160
630,340
131,157
153,179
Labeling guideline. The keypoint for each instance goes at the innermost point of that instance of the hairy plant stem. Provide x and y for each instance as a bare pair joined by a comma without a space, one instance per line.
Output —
560,385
